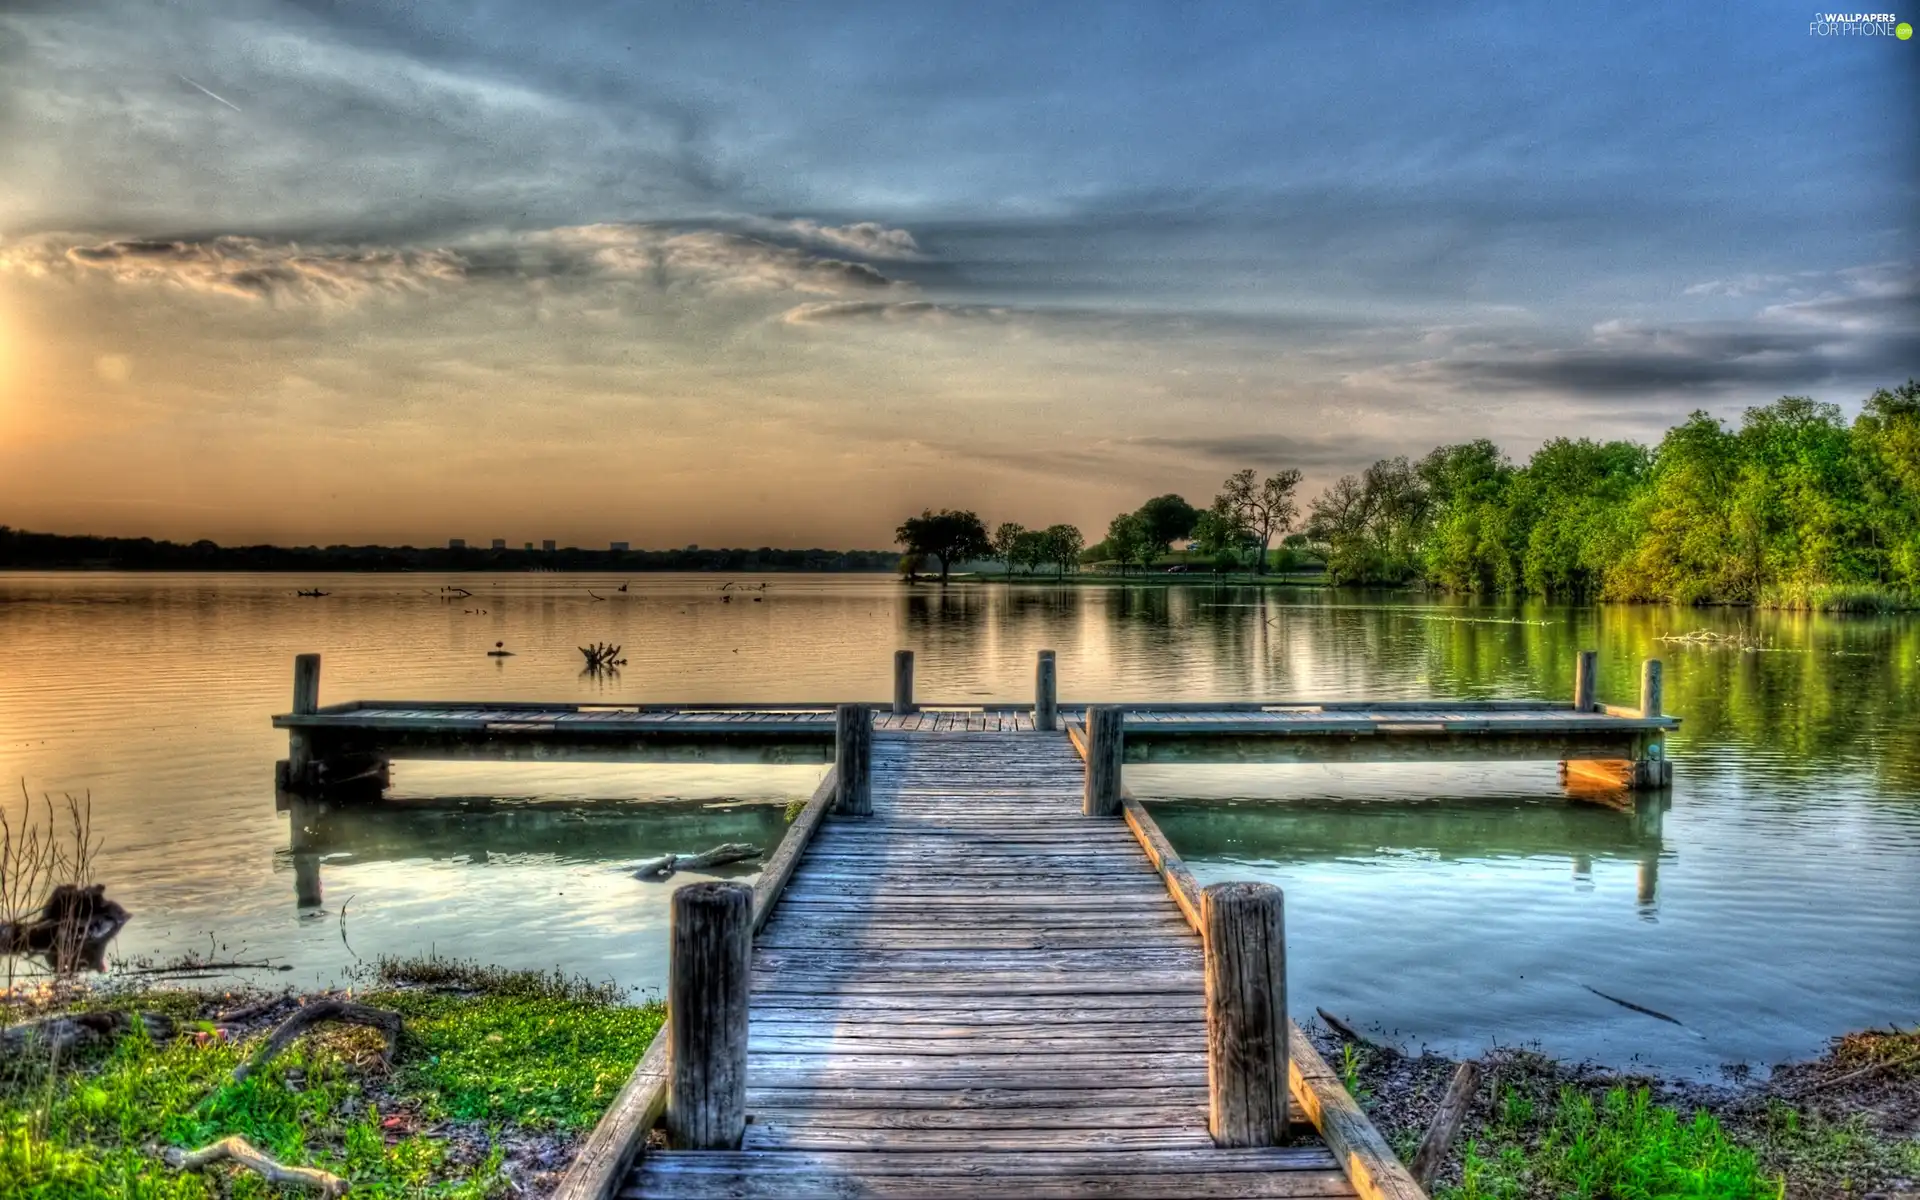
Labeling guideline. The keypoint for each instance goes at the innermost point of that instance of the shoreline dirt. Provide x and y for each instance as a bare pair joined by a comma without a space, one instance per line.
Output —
1843,1125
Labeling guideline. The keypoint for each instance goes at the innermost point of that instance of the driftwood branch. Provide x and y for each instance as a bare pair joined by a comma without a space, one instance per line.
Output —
1446,1124
667,864
602,654
240,1150
309,1015
57,1035
1345,1030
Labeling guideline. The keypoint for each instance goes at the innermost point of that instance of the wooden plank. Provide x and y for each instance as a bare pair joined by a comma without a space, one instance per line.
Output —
986,1103
1005,1166
660,1179
771,1135
1372,1167
1190,1116
779,869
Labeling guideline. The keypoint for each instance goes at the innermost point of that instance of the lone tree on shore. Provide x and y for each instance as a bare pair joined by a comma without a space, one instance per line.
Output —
949,536
1262,510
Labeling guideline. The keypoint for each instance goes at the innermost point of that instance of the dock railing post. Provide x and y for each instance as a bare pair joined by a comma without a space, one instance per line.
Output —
1046,708
853,760
1106,746
1651,688
707,971
902,682
1246,974
306,684
306,701
1584,670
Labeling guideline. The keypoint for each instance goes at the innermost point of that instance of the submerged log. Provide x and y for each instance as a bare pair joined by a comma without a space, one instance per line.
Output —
72,930
240,1150
667,864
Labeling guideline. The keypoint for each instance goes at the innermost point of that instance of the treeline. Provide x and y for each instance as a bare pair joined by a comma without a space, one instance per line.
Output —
1796,508
23,549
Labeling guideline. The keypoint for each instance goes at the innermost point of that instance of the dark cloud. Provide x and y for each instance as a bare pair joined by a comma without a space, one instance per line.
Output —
1865,326
1243,448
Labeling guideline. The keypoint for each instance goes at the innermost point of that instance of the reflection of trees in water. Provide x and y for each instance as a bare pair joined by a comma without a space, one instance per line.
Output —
1829,689
1333,830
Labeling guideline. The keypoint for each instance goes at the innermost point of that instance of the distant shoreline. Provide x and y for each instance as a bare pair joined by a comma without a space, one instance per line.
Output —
24,550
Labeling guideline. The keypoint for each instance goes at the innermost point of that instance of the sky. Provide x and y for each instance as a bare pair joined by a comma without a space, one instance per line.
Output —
781,274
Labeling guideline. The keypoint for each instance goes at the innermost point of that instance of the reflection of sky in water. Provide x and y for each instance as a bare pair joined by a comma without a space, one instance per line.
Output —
1769,906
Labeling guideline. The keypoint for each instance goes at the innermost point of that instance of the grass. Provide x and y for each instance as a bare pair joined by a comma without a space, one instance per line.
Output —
488,1054
1625,1147
1838,598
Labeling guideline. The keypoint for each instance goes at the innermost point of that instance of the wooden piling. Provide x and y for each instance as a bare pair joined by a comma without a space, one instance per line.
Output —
1046,709
306,880
1246,979
853,760
1105,745
1652,688
707,973
1584,671
306,684
902,682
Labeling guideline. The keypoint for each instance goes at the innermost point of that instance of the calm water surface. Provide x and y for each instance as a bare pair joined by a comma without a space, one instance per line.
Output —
1772,899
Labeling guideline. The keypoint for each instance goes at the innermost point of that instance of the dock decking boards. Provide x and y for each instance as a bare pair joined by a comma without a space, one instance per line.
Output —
978,992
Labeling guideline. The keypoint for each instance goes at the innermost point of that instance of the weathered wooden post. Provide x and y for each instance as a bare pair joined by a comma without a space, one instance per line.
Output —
306,880
853,760
1584,670
707,974
1246,971
306,701
1046,709
1106,744
306,684
902,682
1651,688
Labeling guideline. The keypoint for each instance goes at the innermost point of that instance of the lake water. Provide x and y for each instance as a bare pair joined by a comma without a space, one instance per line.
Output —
1770,901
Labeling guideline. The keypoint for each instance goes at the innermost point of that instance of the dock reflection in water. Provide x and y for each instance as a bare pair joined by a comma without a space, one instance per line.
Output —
473,830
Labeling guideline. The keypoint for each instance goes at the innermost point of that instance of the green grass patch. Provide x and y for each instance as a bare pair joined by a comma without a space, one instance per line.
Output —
504,1050
1625,1147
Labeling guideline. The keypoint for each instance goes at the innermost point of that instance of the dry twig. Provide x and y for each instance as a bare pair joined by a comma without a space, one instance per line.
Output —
240,1150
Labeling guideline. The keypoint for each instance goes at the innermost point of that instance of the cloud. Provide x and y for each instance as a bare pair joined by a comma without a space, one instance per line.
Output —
1866,326
821,312
240,267
292,273
1241,448
868,239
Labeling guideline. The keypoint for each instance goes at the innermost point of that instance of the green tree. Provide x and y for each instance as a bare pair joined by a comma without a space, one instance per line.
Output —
1129,540
1063,546
948,536
1262,509
1167,519
1031,549
1219,535
1005,539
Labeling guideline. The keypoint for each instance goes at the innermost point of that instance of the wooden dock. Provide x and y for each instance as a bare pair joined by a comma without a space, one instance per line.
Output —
974,967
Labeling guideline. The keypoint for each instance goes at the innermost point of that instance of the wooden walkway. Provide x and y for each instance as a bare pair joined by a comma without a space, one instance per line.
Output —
978,991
